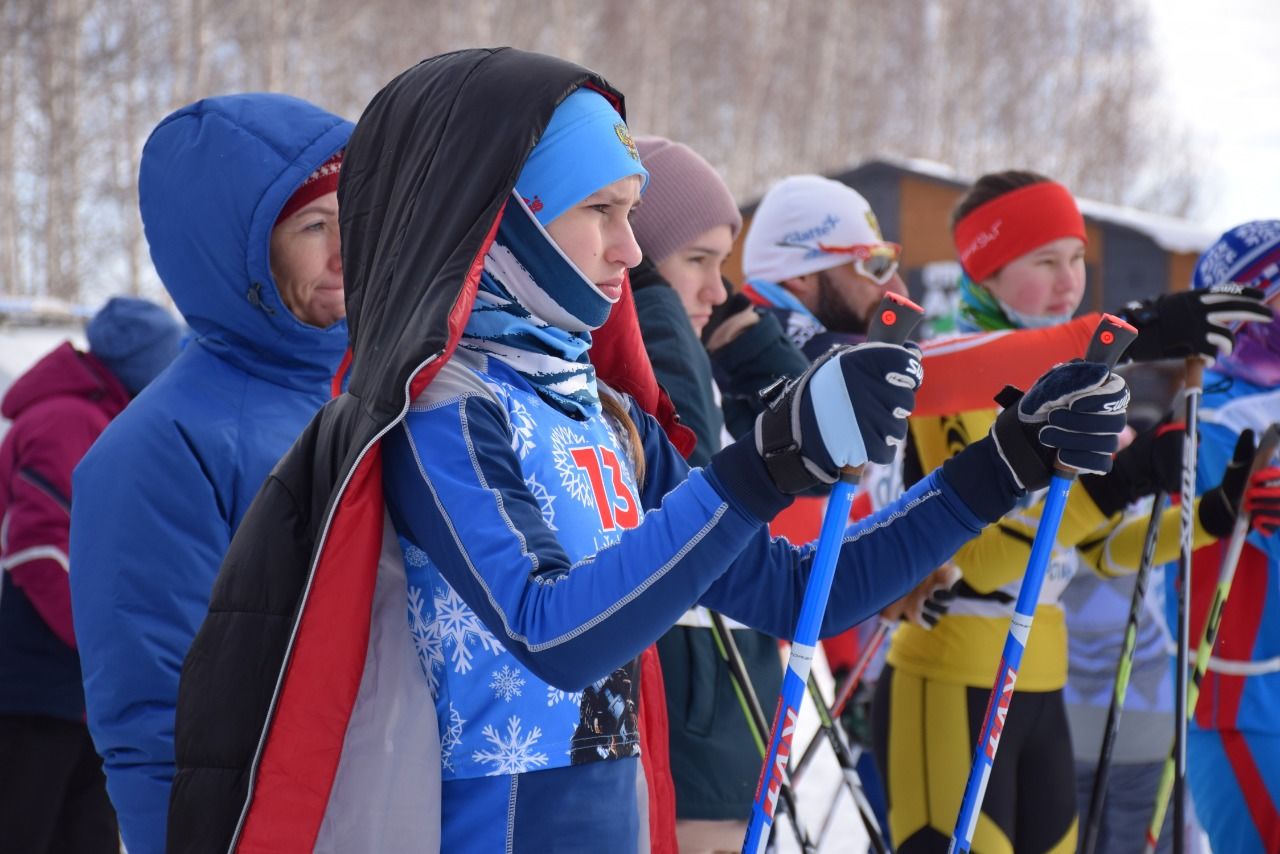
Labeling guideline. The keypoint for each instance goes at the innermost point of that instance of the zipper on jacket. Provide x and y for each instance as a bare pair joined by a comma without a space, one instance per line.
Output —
321,542
255,298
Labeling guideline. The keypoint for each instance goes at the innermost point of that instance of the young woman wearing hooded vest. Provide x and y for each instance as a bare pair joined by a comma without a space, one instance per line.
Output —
543,530
526,491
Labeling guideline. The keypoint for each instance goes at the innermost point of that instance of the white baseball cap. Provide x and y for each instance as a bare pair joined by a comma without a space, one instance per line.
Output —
805,224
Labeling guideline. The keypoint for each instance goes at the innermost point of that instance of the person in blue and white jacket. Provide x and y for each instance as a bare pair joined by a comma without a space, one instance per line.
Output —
550,532
543,530
238,198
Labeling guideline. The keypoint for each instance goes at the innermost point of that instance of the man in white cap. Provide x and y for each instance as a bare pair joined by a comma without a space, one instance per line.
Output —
814,253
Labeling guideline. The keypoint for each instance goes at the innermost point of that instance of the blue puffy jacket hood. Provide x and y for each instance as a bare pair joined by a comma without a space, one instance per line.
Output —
214,177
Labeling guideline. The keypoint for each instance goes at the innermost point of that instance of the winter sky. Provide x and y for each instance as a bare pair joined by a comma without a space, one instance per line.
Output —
1222,79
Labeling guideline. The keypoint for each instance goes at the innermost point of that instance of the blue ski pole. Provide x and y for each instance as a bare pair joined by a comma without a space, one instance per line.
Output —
894,320
1108,343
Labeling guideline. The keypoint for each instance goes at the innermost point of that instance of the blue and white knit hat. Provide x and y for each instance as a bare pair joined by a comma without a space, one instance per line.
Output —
556,176
1248,254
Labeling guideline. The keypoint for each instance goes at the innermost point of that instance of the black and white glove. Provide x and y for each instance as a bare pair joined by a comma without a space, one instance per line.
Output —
1152,462
849,408
937,606
1192,322
1072,416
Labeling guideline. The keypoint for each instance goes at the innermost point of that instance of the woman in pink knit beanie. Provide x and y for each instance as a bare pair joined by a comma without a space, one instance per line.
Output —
686,225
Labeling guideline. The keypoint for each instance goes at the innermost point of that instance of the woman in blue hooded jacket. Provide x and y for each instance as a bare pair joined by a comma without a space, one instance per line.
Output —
238,199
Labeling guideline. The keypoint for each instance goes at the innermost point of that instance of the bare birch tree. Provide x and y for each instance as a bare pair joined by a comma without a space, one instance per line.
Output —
763,88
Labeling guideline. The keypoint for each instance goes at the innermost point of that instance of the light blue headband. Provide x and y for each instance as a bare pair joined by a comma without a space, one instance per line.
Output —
585,146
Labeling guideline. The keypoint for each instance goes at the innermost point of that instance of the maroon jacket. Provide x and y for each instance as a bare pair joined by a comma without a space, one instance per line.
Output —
58,408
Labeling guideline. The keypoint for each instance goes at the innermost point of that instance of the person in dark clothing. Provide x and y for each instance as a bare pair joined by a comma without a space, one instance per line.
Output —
53,794
685,228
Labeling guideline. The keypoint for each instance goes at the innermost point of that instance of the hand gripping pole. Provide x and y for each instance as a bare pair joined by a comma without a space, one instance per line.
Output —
894,320
1108,343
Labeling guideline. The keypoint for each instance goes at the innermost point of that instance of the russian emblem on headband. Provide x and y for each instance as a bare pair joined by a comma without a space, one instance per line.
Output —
624,136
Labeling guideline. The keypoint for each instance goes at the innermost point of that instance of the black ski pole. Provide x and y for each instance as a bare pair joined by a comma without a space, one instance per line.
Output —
1194,388
1123,673
754,714
848,768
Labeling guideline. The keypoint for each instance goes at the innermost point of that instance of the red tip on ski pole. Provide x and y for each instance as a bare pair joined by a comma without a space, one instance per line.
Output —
894,319
1110,340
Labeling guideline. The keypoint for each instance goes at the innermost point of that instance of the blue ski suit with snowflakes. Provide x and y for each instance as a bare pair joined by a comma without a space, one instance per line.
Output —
537,518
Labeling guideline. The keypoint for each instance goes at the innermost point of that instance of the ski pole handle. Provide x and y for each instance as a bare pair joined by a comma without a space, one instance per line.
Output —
894,319
1110,339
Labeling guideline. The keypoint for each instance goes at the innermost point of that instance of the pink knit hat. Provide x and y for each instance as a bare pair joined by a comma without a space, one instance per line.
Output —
685,198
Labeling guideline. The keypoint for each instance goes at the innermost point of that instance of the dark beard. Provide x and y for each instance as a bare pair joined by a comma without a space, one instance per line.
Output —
832,311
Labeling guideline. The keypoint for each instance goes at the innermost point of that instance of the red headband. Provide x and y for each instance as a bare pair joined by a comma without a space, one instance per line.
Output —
1012,225
319,183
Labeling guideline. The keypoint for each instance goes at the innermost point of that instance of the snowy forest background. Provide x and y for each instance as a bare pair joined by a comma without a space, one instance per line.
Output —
762,88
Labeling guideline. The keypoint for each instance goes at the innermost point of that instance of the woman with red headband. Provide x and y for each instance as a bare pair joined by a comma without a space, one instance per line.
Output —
1021,243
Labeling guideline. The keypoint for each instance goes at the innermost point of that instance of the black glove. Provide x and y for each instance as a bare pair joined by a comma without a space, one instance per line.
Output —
1073,415
736,302
1192,322
1152,462
937,605
1220,505
849,408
